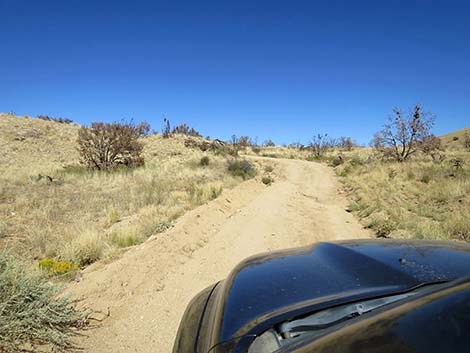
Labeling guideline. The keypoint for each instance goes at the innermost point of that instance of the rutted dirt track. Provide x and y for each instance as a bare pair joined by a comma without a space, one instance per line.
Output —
147,290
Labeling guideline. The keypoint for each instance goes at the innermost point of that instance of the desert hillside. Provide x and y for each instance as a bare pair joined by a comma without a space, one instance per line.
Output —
31,146
455,139
52,207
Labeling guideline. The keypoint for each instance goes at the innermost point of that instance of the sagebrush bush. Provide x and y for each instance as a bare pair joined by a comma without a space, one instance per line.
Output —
204,161
241,168
31,311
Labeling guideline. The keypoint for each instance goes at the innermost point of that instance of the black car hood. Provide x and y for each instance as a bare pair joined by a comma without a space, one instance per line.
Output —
268,288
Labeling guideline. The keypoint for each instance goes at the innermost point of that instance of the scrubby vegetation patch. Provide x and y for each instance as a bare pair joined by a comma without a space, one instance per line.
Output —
32,313
241,168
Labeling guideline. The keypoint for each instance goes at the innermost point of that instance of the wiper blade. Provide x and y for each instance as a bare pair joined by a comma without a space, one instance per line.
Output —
333,316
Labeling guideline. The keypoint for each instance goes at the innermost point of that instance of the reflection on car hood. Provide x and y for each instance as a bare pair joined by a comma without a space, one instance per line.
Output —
264,289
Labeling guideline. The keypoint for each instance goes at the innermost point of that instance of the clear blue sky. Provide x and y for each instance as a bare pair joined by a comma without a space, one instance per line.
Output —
273,69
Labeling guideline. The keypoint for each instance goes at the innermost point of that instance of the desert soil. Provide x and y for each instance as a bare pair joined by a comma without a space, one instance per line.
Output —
142,295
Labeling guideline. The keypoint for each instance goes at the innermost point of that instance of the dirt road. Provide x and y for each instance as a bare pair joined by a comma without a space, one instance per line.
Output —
148,288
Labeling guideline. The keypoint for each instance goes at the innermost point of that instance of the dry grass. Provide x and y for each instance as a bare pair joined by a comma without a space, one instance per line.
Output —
455,140
279,152
418,199
83,215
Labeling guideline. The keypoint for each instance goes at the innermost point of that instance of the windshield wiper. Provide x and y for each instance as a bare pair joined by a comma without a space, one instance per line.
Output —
329,317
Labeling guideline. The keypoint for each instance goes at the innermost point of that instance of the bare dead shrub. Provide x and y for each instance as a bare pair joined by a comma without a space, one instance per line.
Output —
403,134
244,141
143,128
105,146
166,131
432,146
320,144
346,143
269,143
185,130
457,163
57,120
239,143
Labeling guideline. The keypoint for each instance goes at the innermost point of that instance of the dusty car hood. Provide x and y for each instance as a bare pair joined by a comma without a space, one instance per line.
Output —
268,288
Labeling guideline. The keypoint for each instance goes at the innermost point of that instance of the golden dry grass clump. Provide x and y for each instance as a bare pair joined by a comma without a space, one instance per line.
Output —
51,207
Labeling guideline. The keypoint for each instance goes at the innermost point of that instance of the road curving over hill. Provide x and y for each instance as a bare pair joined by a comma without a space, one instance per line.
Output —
142,295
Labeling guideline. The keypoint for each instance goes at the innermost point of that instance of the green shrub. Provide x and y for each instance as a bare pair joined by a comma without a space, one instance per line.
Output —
31,311
382,228
425,179
162,227
336,161
256,149
58,268
267,180
353,206
204,161
366,211
241,168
